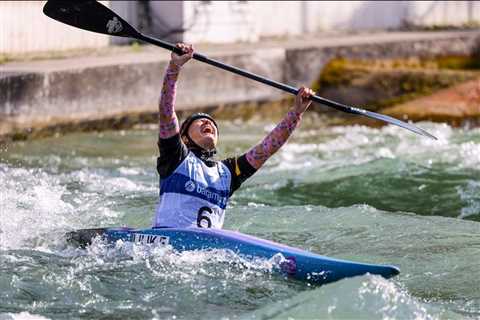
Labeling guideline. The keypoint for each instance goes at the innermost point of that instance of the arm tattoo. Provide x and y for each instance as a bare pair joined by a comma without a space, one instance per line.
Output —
168,122
273,141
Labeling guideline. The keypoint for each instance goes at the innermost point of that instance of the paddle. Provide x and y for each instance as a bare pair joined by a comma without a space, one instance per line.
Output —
93,16
83,237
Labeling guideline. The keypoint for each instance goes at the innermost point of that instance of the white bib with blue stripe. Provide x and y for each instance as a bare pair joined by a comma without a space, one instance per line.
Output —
194,195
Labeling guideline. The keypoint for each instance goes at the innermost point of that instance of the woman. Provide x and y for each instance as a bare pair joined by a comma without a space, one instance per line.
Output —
194,187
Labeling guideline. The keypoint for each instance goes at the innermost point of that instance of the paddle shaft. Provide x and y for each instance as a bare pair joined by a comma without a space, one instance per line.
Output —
247,74
93,16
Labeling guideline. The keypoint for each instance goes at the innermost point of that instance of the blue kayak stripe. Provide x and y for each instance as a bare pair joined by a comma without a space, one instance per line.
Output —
182,184
307,266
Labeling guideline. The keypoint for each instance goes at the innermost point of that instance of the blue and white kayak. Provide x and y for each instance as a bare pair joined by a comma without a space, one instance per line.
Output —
295,263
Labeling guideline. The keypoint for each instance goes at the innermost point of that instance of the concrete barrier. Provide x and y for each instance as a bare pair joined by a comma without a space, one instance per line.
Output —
36,96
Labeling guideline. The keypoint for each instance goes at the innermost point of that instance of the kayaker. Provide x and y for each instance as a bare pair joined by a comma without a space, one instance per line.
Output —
194,187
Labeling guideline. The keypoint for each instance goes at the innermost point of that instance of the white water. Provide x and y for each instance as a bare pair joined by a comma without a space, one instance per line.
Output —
373,195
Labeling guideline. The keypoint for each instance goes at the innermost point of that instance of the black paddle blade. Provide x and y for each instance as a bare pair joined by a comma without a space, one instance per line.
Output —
89,15
82,238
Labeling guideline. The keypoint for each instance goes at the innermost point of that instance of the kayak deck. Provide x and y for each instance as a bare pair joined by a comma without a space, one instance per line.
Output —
297,263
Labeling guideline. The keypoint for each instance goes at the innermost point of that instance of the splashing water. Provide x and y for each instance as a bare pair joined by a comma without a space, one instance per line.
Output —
371,195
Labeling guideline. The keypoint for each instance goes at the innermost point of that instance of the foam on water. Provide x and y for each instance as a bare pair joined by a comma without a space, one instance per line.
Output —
96,180
21,316
471,195
352,163
360,144
182,266
156,280
37,206
31,206
367,297
434,254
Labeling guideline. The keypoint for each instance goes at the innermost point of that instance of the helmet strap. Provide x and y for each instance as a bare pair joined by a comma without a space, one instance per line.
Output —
199,151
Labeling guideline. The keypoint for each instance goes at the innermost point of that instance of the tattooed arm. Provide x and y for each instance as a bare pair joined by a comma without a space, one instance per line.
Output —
168,122
257,156
172,150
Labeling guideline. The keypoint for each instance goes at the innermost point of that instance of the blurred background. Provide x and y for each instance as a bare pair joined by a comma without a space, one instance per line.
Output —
340,48
231,21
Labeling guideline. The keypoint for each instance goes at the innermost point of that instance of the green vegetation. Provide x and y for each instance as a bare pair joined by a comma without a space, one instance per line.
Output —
383,83
339,72
458,63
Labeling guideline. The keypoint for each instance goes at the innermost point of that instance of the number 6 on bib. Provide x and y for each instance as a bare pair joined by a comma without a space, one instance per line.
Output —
204,217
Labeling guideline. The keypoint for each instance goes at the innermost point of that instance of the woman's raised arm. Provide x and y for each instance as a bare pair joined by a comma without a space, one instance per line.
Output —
168,122
280,134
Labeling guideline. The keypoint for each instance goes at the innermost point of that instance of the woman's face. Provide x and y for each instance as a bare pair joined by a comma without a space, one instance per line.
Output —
204,133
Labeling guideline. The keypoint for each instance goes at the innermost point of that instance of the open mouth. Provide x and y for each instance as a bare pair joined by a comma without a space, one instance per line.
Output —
207,130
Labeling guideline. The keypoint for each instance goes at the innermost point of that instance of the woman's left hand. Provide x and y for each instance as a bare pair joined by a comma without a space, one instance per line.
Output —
187,50
302,100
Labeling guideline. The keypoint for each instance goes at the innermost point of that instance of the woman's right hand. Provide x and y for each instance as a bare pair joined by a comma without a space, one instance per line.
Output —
180,60
302,100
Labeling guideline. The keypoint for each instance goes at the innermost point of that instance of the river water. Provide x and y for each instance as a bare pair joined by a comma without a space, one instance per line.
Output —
371,195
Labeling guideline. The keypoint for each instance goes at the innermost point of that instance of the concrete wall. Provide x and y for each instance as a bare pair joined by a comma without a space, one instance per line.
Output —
230,21
166,19
24,28
387,45
219,21
203,21
51,93
444,12
129,10
362,15
82,90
